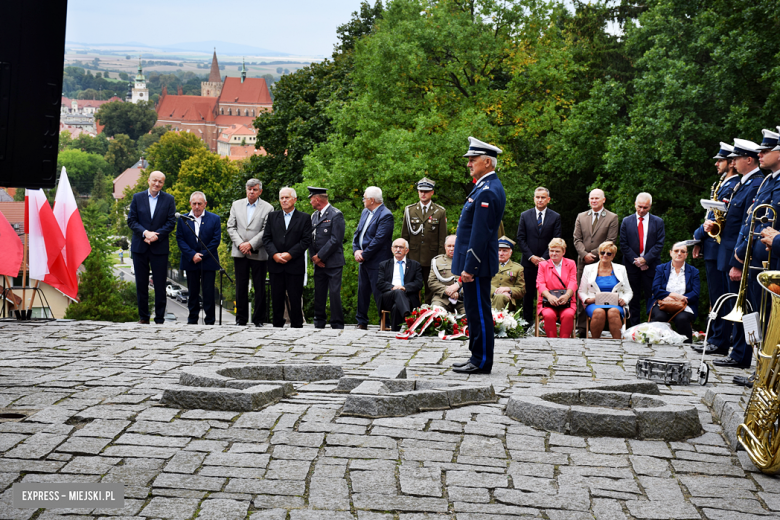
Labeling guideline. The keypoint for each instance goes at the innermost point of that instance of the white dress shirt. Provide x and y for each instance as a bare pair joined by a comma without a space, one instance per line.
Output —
645,227
536,214
397,279
152,201
198,221
747,176
323,210
369,218
601,213
559,267
287,219
677,283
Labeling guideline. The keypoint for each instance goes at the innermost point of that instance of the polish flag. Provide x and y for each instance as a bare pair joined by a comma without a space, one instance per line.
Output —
46,242
12,248
77,247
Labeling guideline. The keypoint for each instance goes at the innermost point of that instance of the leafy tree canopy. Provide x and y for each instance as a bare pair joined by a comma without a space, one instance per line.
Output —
168,154
82,167
132,119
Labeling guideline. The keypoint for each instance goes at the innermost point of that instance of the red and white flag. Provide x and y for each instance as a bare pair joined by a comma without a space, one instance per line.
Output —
46,242
77,247
11,246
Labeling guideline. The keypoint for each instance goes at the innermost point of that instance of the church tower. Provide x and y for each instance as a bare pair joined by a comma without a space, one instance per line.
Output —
140,92
212,87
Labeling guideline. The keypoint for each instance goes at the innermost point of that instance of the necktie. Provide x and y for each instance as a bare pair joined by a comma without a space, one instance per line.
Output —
597,220
539,221
641,231
401,271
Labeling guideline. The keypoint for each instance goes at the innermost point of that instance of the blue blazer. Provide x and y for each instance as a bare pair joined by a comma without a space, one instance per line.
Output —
139,219
531,240
741,198
378,239
629,241
476,245
210,233
709,247
692,285
764,195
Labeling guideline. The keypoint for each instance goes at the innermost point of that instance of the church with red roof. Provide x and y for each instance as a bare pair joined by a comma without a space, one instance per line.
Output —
223,103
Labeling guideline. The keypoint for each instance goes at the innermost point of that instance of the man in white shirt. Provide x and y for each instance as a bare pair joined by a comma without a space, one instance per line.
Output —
399,281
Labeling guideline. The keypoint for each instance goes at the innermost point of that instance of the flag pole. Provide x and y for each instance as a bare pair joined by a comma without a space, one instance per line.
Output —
24,275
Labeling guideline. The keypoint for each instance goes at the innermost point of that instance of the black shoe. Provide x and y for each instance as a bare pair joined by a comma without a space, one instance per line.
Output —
143,322
744,381
319,326
258,325
468,368
729,362
458,365
241,324
362,327
712,350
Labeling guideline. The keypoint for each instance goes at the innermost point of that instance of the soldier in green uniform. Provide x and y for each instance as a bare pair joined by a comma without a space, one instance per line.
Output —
508,285
443,282
425,228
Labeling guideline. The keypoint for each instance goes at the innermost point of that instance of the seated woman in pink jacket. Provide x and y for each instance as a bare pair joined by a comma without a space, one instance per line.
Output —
557,273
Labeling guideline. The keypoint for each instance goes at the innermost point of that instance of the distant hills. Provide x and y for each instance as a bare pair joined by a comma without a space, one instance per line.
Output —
207,47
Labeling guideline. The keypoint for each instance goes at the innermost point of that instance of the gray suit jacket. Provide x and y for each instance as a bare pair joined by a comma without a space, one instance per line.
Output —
241,231
587,239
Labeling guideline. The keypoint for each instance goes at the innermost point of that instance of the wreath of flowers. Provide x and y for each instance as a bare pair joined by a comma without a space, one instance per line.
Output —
432,320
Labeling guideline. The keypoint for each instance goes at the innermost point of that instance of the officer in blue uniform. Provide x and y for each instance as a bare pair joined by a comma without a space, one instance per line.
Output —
718,340
476,253
745,157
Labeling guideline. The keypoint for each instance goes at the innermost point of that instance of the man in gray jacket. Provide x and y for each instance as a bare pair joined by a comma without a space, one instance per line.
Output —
327,255
245,227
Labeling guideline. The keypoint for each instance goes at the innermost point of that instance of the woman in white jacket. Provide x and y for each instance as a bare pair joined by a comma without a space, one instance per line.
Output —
604,276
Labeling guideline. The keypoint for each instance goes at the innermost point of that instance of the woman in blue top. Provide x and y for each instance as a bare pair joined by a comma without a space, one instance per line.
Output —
605,277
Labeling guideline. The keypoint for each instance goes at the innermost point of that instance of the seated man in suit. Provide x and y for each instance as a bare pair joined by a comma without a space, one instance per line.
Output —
444,283
399,281
641,241
508,285
196,261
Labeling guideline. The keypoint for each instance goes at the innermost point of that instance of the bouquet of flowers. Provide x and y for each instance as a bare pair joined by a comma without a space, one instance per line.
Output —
507,324
431,320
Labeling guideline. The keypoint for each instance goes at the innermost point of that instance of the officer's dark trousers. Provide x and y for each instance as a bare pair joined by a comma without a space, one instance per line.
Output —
719,331
142,263
476,298
641,283
741,352
327,282
198,279
291,286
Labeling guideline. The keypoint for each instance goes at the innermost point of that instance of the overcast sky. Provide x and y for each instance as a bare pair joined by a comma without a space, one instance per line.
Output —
300,27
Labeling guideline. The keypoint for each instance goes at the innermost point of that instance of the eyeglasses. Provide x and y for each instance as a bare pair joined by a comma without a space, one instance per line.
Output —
606,253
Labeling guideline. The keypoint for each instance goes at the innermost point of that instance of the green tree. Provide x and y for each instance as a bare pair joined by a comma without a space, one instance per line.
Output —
147,140
132,119
122,154
82,167
168,154
65,141
101,296
123,76
87,143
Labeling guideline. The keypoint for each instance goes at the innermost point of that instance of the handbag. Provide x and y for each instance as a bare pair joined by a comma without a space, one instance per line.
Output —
555,292
607,298
669,306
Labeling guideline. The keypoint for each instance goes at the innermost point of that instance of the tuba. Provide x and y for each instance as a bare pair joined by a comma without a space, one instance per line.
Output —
719,217
741,307
758,433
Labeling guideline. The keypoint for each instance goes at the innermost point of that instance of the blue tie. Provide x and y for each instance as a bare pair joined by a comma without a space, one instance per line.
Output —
401,271
539,221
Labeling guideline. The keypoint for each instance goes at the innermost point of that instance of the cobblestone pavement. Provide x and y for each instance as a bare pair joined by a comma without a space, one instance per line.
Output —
95,390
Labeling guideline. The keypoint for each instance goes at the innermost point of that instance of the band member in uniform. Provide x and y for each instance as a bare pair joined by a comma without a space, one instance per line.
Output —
327,255
718,339
745,157
425,228
508,285
443,282
476,253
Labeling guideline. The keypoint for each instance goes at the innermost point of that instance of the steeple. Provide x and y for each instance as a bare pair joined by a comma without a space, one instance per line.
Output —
214,76
243,70
140,76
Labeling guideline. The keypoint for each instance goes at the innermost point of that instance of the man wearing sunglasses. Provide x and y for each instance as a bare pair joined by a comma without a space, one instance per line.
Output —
641,241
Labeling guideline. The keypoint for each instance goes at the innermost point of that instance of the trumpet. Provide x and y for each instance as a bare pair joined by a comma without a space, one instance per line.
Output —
742,306
719,217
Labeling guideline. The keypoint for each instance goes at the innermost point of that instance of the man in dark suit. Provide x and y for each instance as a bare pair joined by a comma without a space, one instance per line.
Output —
371,247
327,255
151,218
641,241
399,280
476,253
199,265
287,236
537,227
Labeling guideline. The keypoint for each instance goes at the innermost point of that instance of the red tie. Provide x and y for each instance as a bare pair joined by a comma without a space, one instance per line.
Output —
641,231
